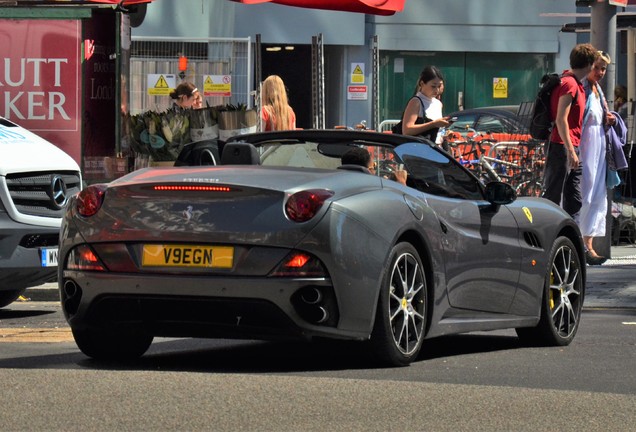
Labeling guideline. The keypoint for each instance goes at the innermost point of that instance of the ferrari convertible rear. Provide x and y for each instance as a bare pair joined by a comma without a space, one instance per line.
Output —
281,241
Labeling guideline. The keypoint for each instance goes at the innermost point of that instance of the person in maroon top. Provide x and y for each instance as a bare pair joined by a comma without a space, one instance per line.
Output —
562,174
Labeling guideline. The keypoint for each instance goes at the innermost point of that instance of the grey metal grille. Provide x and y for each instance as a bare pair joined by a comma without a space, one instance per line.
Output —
208,56
33,194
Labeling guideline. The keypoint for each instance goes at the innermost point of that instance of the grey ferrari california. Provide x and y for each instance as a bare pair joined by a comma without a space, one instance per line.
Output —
283,240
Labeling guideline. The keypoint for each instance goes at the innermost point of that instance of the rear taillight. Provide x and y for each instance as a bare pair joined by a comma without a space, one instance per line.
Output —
300,264
90,200
303,205
83,258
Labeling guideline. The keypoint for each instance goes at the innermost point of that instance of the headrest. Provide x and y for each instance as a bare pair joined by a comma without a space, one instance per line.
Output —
239,153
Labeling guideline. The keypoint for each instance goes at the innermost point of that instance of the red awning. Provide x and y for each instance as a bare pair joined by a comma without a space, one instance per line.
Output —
374,7
126,2
73,2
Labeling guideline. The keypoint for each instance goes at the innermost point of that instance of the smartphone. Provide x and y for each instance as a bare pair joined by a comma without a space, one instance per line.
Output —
451,119
400,167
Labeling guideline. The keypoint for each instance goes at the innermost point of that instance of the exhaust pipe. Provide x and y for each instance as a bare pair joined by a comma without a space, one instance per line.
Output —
317,315
311,296
316,305
324,317
70,289
71,296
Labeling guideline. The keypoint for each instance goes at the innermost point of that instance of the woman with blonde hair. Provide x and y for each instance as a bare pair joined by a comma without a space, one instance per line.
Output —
591,218
276,114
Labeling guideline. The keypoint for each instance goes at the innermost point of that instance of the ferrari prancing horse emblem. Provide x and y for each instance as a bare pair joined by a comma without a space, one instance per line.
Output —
528,214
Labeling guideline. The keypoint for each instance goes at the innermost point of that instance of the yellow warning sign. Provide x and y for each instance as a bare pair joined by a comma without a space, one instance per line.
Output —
161,84
217,85
500,88
357,73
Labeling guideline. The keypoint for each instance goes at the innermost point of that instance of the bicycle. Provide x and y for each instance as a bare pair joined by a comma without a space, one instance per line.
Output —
519,163
524,163
470,150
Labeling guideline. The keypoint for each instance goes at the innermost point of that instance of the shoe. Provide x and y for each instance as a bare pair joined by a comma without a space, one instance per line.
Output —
594,260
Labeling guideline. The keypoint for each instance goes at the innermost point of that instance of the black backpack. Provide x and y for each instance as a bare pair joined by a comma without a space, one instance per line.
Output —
541,121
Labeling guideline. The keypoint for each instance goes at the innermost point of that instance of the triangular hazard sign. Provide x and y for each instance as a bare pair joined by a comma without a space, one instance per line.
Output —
208,80
161,83
357,70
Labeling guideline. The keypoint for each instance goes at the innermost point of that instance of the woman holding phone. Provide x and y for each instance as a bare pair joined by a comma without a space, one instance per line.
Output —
423,113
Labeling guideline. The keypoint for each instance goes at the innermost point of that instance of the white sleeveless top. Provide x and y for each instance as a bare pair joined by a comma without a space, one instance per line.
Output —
432,107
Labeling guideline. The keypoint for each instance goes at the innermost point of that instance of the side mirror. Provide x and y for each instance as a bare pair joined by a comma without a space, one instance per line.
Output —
500,193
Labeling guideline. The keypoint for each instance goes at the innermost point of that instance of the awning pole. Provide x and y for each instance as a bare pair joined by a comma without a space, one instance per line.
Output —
603,37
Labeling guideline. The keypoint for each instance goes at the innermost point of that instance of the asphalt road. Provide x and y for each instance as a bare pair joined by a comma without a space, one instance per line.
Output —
480,381
484,381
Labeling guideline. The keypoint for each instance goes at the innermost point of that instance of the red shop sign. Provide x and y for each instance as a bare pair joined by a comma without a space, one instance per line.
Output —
40,79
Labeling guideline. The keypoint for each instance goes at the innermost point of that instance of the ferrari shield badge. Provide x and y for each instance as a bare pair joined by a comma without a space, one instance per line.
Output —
528,213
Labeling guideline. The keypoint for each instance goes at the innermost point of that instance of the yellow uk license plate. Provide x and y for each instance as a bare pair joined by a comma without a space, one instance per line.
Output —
197,256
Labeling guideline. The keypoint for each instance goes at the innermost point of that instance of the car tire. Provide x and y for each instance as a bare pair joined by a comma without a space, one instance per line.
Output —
125,344
400,319
9,296
562,300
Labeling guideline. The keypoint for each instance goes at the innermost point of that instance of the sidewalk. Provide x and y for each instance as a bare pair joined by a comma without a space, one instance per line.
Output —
611,285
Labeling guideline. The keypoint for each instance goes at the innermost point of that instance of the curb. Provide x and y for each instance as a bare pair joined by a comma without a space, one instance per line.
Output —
46,292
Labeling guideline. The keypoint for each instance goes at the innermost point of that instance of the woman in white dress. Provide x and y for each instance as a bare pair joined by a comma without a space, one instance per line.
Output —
592,149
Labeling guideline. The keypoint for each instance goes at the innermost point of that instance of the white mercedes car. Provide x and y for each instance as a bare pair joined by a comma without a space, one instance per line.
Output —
36,180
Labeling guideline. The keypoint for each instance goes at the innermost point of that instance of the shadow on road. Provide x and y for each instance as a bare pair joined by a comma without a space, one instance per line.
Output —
6,314
236,356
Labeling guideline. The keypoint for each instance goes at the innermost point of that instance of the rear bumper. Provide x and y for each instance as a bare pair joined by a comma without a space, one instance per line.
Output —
199,306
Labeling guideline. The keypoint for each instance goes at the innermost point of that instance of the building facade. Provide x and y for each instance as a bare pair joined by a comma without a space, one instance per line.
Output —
492,52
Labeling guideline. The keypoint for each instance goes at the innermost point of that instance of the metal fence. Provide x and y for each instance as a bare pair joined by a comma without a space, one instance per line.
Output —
206,56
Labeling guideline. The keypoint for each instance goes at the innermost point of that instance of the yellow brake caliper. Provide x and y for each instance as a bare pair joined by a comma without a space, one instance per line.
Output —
551,291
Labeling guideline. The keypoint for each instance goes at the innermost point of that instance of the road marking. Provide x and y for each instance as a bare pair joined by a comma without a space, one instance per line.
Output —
629,323
35,335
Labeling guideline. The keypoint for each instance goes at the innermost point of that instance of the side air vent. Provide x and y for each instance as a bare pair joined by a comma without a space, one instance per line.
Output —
532,240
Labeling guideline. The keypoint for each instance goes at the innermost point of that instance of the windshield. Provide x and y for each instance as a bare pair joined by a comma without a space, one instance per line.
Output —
326,155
